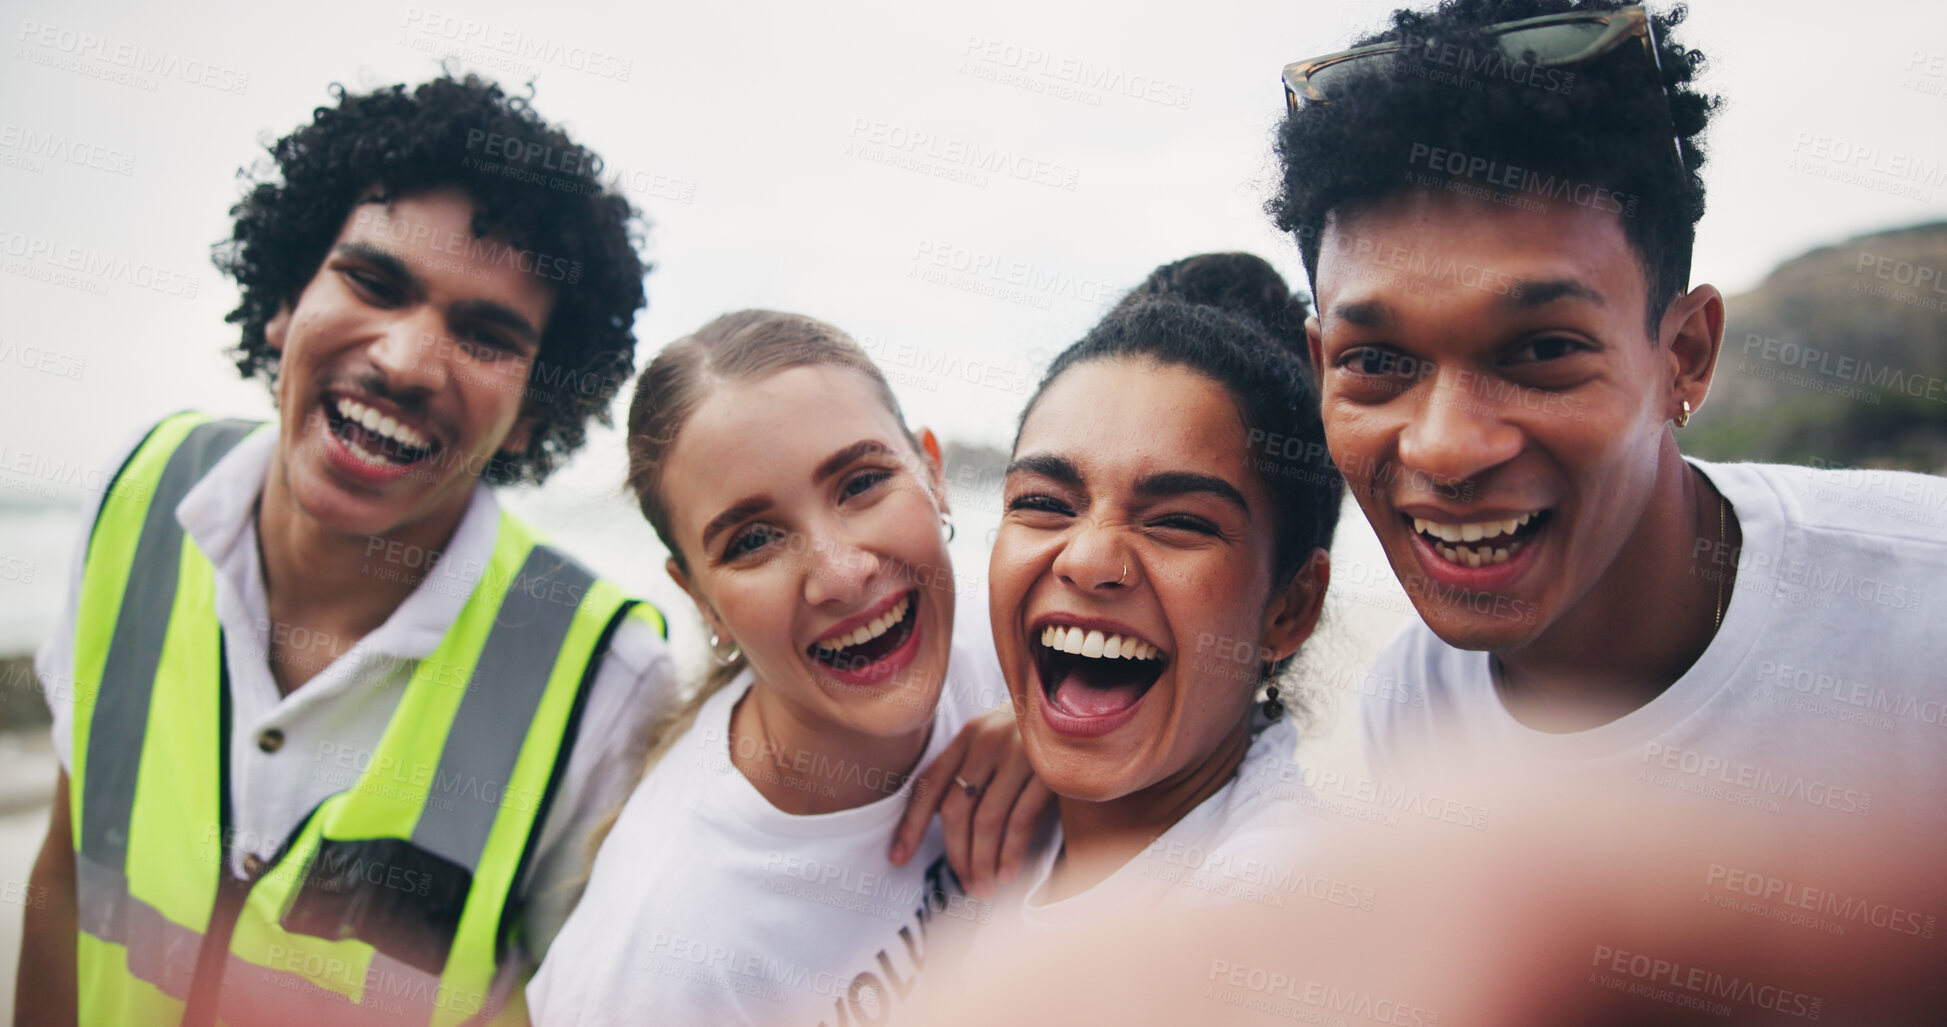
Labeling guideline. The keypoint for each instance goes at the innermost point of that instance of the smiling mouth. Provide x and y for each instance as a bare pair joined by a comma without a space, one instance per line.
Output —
1481,543
1087,673
869,643
374,437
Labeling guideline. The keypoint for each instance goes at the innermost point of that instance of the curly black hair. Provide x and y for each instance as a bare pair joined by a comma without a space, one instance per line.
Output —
1243,283
529,183
1602,124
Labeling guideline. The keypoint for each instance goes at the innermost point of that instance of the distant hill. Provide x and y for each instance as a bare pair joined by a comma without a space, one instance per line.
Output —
1838,358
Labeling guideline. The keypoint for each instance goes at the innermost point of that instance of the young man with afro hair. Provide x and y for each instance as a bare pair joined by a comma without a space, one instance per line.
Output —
1496,202
334,728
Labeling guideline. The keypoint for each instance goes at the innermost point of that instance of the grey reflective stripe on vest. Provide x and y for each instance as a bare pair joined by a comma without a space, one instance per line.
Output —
483,744
121,716
160,950
477,762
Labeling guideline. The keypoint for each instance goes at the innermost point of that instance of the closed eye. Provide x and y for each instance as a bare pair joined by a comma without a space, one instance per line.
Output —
373,287
1040,502
487,345
1186,522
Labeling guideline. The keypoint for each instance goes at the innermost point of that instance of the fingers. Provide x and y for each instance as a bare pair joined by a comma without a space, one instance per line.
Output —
957,813
933,785
990,821
1035,801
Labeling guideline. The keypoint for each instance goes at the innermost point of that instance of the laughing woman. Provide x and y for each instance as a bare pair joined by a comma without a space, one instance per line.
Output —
754,876
1161,557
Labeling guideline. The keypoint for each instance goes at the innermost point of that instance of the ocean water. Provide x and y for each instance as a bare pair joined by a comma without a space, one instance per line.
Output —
36,546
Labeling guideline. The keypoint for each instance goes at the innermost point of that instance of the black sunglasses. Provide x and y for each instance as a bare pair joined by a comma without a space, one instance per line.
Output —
1550,41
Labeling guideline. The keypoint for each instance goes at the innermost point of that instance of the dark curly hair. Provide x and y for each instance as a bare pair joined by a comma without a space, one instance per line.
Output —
1242,283
1605,124
463,133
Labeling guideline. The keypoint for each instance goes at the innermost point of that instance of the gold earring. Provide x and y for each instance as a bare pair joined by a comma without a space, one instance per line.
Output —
1684,418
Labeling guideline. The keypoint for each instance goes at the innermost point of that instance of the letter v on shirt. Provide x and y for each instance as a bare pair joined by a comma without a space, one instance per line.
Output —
709,905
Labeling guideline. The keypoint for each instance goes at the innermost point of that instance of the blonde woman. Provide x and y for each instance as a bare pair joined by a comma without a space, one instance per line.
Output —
759,874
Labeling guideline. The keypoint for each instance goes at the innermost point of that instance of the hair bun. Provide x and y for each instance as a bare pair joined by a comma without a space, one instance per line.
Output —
1240,284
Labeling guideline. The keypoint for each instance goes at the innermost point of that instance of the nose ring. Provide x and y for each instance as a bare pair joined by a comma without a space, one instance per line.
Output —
1125,572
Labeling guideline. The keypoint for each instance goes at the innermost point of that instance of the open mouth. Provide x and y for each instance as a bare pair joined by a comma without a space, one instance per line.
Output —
1086,672
869,643
374,437
1481,543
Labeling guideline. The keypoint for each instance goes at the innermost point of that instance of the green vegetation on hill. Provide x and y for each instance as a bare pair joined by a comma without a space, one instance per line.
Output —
1839,358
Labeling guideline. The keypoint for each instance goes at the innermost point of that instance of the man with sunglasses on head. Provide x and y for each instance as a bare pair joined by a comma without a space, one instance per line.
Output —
334,729
1496,201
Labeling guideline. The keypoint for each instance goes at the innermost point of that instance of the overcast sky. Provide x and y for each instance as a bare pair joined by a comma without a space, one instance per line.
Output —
739,126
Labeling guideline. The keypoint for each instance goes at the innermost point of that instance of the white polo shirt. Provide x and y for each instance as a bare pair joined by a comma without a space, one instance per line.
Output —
290,752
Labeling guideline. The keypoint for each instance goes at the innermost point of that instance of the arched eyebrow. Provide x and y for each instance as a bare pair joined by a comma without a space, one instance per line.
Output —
738,511
1363,314
1527,295
1160,485
840,460
1165,484
1523,294
1055,468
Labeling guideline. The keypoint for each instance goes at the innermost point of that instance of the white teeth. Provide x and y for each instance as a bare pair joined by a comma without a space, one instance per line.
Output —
1096,645
1472,531
373,421
369,457
867,632
1472,557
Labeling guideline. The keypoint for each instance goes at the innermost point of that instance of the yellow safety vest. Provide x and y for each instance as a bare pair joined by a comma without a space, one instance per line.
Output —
393,901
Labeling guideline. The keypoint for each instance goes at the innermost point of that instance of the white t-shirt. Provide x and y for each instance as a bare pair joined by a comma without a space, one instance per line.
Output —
1823,686
290,752
709,905
1241,844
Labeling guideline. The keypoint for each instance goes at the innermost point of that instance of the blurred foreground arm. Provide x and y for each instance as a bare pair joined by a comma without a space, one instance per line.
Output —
1578,905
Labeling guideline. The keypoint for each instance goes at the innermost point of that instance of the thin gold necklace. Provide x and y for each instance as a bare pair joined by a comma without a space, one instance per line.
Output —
1719,622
